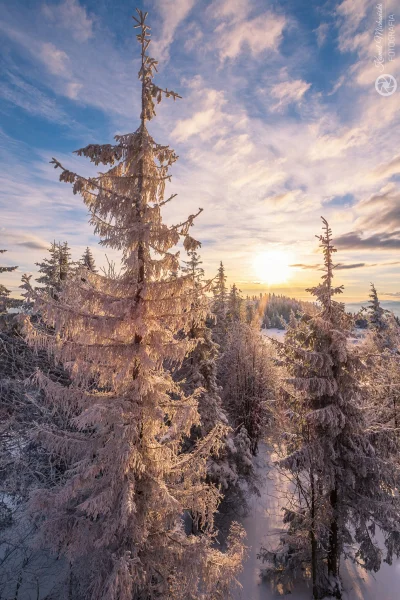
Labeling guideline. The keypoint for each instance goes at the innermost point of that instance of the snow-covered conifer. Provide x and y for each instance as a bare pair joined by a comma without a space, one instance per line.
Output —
235,305
342,462
251,311
55,269
376,312
50,269
384,328
247,378
192,266
231,470
5,300
117,510
382,349
198,369
219,308
88,261
66,263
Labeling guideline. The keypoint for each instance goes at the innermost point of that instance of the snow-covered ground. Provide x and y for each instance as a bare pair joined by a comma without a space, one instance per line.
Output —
276,334
262,526
279,334
358,336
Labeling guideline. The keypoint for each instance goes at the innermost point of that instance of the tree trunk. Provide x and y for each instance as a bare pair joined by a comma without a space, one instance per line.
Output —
333,552
139,210
313,539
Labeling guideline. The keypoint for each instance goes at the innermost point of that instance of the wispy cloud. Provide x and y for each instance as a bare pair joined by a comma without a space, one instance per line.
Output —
338,84
388,169
19,92
305,266
381,211
289,92
172,12
342,267
239,31
96,74
339,266
55,60
21,238
257,35
69,14
206,122
354,240
351,14
333,145
321,33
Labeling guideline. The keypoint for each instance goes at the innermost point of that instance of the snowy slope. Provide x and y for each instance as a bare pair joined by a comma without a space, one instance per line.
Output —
276,334
262,526
279,334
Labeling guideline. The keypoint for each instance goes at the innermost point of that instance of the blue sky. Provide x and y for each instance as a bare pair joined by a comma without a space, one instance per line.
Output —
279,124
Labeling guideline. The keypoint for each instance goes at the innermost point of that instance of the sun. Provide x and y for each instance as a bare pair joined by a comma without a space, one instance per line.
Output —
272,267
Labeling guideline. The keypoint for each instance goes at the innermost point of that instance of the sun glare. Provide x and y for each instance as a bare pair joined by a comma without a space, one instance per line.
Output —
272,267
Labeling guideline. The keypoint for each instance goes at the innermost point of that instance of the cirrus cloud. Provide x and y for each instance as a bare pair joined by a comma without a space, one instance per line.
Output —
70,14
288,92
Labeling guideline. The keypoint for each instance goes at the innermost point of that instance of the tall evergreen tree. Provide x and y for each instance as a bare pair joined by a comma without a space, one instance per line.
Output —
88,261
232,469
66,264
382,323
251,311
192,267
5,301
198,369
219,308
50,269
342,461
117,510
376,312
248,380
235,305
55,269
382,347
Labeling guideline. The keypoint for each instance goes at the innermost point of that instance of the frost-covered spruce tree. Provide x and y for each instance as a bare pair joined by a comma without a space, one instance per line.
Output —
235,305
5,301
376,312
117,510
341,460
251,311
219,308
198,369
383,325
192,267
55,269
66,263
382,349
50,269
88,261
231,470
247,377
